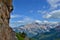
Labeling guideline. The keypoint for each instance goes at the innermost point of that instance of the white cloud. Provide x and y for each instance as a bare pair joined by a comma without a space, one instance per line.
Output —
42,22
20,21
15,16
54,3
47,16
54,14
38,21
45,21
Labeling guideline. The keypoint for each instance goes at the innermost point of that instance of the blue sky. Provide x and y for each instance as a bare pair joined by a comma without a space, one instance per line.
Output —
27,11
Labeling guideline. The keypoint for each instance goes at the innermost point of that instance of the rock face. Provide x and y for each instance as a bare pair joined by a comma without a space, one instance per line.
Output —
6,32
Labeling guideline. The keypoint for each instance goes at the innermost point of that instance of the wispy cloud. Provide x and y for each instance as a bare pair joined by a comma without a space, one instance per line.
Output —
15,16
54,14
41,11
54,3
20,21
26,20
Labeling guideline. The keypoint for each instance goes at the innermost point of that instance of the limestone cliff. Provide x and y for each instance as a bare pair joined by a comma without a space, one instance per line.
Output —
6,32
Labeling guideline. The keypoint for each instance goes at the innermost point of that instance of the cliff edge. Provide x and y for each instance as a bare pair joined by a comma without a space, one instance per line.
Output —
6,33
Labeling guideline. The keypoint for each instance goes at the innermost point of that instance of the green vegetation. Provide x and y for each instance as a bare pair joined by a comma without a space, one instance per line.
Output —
20,36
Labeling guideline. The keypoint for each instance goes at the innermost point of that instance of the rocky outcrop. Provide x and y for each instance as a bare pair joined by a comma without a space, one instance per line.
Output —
6,32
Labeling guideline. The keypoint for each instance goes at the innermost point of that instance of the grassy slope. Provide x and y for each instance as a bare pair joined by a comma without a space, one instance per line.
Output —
19,37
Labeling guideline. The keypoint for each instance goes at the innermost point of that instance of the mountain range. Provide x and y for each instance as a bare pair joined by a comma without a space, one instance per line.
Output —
36,28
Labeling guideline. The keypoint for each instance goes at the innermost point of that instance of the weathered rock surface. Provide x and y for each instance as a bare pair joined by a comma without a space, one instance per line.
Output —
6,33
